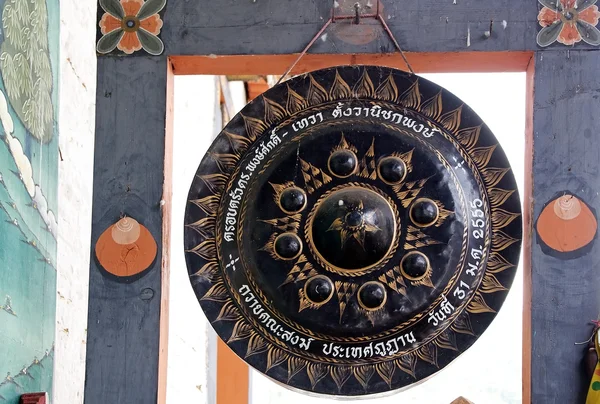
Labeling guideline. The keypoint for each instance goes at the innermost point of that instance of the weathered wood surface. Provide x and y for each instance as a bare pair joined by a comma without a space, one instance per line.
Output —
278,27
565,293
123,318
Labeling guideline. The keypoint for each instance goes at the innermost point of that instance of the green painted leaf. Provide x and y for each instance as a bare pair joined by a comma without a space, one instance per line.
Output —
151,7
551,4
549,34
113,7
583,4
596,386
109,42
151,43
589,33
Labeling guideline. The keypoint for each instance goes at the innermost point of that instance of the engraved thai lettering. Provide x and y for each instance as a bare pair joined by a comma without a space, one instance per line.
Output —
257,310
397,118
420,126
254,303
429,132
476,203
440,316
234,194
410,338
295,339
287,335
249,297
380,349
336,350
270,322
265,149
357,111
461,290
327,347
264,317
251,166
446,306
368,350
274,138
229,220
408,123
392,347
301,124
228,236
477,253
375,111
432,319
477,222
312,119
386,114
234,204
337,112
320,115
348,112
401,339
366,111
356,352
472,269
244,289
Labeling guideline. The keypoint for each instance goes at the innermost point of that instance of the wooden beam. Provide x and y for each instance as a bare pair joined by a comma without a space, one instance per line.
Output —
528,232
124,323
167,208
232,377
230,27
447,62
564,286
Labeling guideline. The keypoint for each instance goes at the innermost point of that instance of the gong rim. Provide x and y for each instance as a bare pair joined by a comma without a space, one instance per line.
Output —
210,263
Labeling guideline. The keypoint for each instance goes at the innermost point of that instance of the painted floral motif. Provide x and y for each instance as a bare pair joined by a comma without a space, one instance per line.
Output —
131,25
568,22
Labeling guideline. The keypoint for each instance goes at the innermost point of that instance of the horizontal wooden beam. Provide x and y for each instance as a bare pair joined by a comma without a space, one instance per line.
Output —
223,27
439,62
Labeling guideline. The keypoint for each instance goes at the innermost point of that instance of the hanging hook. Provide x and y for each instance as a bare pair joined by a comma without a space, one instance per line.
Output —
357,13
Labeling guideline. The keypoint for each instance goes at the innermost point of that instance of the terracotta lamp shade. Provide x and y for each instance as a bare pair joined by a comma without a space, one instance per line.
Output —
567,224
126,248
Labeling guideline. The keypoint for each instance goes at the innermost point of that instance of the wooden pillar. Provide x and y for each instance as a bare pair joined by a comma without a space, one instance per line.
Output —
565,284
129,176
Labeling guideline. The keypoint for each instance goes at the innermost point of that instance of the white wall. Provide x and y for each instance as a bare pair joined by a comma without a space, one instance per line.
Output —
77,92
192,359
188,375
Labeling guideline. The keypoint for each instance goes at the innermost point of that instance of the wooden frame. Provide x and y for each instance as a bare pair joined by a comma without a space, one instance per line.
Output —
232,372
127,318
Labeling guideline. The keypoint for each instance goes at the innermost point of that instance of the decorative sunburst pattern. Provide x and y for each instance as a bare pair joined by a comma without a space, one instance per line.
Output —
268,197
353,228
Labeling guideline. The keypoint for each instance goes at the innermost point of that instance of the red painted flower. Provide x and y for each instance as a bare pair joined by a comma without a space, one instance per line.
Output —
130,25
568,22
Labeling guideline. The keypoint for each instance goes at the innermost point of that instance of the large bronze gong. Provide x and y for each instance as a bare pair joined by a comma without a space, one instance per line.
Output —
353,230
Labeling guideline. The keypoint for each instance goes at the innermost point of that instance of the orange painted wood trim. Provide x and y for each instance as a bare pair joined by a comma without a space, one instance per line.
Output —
166,206
438,62
233,377
528,232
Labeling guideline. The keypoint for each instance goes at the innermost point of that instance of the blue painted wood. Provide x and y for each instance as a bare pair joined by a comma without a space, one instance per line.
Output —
123,318
565,293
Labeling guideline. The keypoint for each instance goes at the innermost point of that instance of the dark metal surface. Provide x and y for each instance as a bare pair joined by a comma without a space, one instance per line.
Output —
353,230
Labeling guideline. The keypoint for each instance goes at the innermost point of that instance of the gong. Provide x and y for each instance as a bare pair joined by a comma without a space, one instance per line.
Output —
352,230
